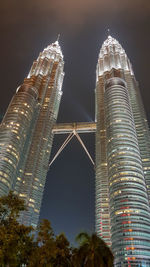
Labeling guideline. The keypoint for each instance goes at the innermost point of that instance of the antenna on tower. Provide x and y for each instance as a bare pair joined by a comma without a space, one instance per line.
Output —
108,31
58,37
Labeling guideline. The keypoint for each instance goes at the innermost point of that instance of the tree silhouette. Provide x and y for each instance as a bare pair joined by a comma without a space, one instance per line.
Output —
16,240
92,252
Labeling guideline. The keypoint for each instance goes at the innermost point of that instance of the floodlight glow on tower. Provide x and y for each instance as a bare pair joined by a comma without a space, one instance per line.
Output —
122,147
26,131
122,159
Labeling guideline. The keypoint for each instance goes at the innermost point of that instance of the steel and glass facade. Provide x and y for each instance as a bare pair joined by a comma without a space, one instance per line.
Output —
26,132
122,159
122,148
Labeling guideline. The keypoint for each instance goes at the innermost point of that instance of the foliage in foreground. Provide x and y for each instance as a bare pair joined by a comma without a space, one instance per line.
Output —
19,247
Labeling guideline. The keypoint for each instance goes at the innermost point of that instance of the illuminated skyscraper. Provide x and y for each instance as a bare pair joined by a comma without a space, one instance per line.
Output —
122,148
26,131
122,159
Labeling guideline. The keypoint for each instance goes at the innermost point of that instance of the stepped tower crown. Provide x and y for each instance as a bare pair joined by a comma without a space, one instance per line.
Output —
112,55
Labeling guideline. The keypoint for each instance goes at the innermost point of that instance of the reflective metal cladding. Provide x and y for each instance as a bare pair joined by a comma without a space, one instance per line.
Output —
122,147
122,159
26,132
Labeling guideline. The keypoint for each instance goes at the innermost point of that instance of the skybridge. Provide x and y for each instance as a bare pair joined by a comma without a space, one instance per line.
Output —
79,127
73,129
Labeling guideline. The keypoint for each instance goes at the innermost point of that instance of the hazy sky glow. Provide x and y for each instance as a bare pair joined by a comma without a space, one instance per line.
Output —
27,27
71,13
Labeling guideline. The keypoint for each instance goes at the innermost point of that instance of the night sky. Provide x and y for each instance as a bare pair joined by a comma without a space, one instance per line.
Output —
27,27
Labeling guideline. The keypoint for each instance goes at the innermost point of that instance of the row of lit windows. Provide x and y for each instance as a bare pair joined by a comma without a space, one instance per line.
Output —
124,118
124,154
130,202
123,167
130,196
13,153
123,135
129,243
116,99
9,161
136,252
113,98
132,233
122,111
146,168
13,147
11,150
125,163
23,112
4,180
130,142
22,195
138,217
132,184
129,150
125,125
127,179
133,225
36,210
126,211
12,123
128,174
25,104
125,190
4,174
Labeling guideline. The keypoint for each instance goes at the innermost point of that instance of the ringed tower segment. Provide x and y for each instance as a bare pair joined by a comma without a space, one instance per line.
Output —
46,75
122,205
26,132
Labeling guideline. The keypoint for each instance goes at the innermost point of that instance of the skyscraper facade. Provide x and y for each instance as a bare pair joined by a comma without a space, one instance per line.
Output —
122,159
122,147
26,132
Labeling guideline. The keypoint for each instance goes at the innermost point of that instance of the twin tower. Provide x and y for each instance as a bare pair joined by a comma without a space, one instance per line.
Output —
122,148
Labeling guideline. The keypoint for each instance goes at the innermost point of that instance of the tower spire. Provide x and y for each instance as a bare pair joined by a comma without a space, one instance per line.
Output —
58,37
108,30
